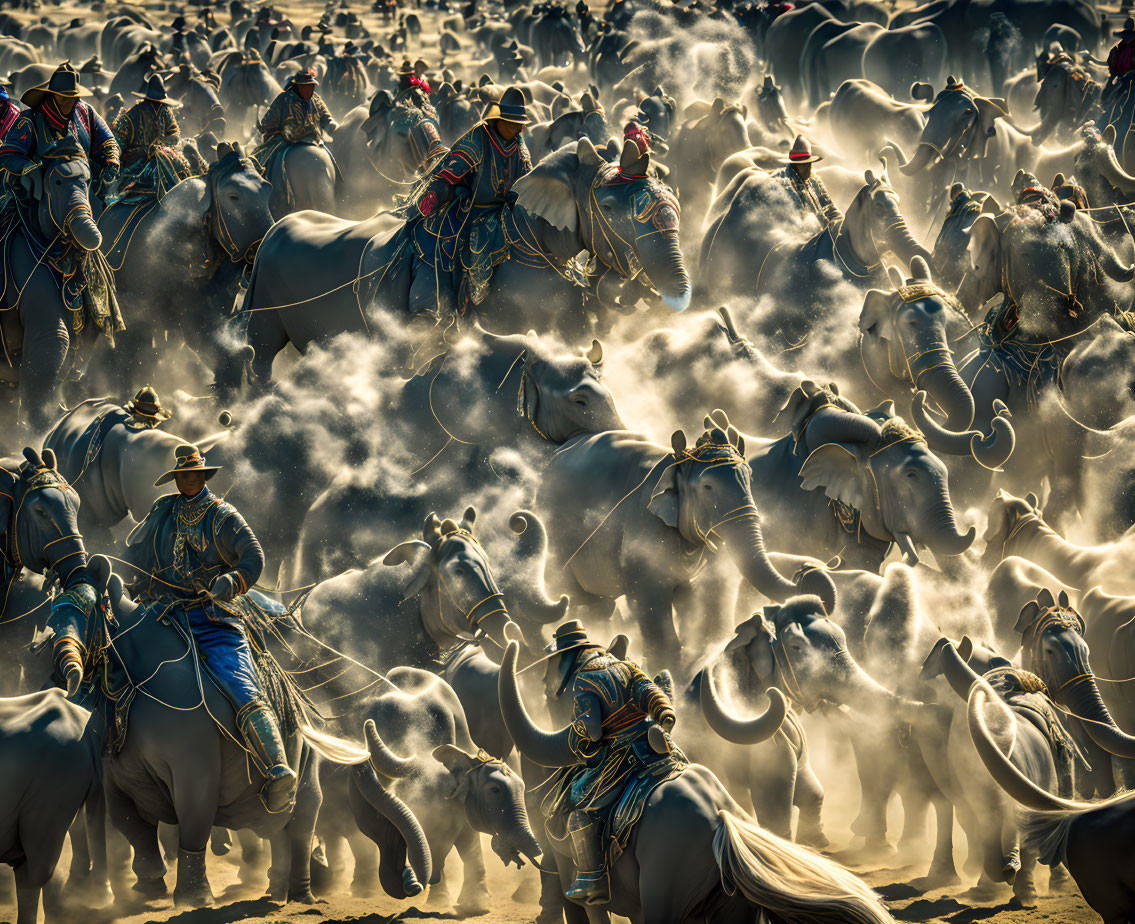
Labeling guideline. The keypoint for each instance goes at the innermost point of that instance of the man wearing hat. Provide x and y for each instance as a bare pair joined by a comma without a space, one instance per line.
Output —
152,163
620,725
413,90
451,205
197,556
296,116
806,190
54,111
145,410
1121,58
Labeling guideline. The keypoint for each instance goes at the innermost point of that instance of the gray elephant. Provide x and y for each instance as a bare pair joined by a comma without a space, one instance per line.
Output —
720,862
165,286
555,38
900,54
52,755
454,790
246,84
1041,749
571,201
951,260
861,111
56,316
848,483
628,518
172,761
1066,99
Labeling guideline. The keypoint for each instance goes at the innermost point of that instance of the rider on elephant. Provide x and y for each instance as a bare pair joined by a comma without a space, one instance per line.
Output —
808,191
462,198
413,88
1121,58
53,111
1029,191
620,725
145,410
296,116
198,559
148,133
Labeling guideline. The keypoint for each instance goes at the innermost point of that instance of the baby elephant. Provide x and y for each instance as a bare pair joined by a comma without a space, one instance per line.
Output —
455,791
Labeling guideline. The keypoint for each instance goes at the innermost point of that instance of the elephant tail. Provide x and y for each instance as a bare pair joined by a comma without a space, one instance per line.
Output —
791,882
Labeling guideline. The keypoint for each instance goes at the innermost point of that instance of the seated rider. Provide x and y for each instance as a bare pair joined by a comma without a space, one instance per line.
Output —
297,115
413,88
1121,58
145,410
197,556
149,135
468,186
614,707
54,111
806,190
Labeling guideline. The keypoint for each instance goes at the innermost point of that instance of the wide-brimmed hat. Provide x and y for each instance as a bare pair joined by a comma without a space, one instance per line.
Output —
64,82
304,79
156,92
567,637
511,108
1128,28
147,404
801,152
406,69
188,459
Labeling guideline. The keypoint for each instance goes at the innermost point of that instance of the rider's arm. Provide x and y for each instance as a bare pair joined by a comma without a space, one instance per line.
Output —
326,122
586,723
651,699
273,119
457,168
124,130
171,134
239,547
16,150
104,149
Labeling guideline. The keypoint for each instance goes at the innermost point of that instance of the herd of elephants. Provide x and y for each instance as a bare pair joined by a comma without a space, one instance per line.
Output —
843,286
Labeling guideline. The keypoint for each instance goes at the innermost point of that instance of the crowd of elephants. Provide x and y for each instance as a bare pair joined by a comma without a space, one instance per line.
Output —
870,524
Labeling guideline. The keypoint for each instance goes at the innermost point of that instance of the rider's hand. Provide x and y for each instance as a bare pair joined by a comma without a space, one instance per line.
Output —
109,173
33,183
667,720
223,587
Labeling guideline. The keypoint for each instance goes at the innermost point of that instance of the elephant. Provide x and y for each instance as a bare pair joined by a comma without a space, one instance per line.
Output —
201,108
245,86
380,147
454,790
756,242
1030,724
951,260
880,484
346,81
861,111
1088,838
966,139
456,113
175,763
724,856
52,762
628,518
784,43
1013,583
164,285
132,73
589,120
1067,97
447,594
898,55
303,178
656,113
556,38
825,60
560,203
42,338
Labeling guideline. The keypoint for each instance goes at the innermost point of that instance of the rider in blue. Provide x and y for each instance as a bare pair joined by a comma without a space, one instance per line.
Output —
197,555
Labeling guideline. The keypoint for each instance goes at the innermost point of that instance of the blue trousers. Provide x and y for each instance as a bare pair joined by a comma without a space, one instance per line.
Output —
224,647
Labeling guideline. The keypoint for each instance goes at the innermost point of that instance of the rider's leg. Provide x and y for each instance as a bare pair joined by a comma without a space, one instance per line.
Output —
590,886
224,647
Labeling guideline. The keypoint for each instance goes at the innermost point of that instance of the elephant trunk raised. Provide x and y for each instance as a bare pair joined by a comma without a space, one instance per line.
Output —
926,156
992,451
419,870
933,370
385,761
546,749
741,731
746,544
959,675
1082,697
902,243
530,597
661,258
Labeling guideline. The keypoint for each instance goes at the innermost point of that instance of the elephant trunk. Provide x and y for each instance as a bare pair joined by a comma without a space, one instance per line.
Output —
746,544
858,689
942,536
925,157
991,451
837,426
934,371
499,627
1114,268
385,761
1082,697
83,228
1123,181
543,748
516,838
662,260
959,675
394,810
741,731
531,598
902,243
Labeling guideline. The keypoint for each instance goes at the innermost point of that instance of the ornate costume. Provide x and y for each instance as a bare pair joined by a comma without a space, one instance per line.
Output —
292,119
460,199
149,135
624,754
1121,58
198,557
44,123
809,194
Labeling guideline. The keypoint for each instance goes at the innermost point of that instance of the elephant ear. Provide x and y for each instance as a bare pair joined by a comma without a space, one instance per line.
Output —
984,243
1109,135
664,499
988,111
415,551
1028,615
876,317
835,468
548,190
459,764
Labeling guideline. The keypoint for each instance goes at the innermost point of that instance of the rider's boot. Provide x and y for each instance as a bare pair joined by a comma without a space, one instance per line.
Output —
258,725
590,886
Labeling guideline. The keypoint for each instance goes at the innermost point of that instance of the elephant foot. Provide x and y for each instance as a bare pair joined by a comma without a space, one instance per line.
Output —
1059,879
940,876
870,853
528,892
472,907
151,888
198,895
1024,896
547,916
300,893
813,836
323,879
986,890
91,892
438,897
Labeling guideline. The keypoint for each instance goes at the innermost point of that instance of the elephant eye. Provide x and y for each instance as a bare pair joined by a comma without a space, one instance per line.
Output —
579,401
912,474
234,197
495,790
